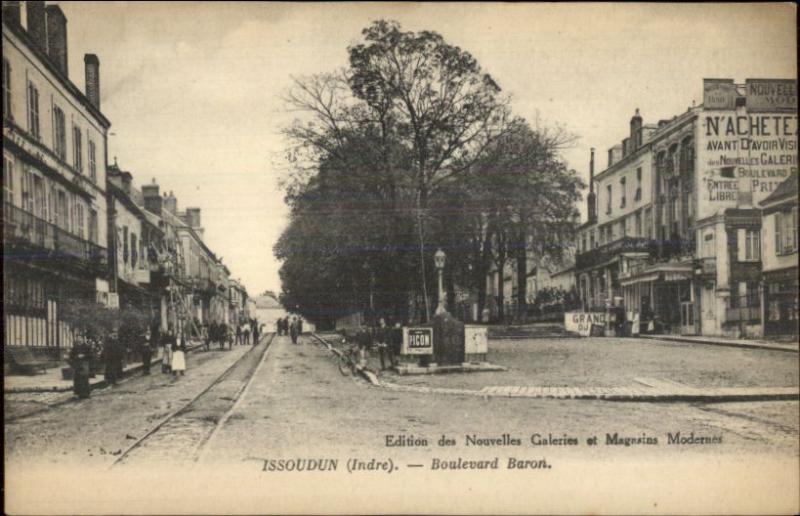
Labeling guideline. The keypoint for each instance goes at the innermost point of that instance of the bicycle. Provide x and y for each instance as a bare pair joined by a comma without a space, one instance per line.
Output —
348,359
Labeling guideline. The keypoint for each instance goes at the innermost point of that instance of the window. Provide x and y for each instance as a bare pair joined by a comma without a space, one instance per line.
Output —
125,244
648,223
608,200
92,226
622,192
638,195
39,200
8,179
583,243
59,133
592,243
92,161
79,219
77,156
786,232
27,190
61,211
749,245
134,250
623,227
638,224
7,90
33,111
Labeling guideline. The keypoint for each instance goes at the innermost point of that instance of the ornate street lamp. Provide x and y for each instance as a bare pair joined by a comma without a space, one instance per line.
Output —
438,260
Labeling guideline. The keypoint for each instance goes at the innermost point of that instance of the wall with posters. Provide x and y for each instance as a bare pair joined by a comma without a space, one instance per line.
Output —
745,152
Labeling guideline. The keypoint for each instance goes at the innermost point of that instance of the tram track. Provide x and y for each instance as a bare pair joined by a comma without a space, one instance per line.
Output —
180,437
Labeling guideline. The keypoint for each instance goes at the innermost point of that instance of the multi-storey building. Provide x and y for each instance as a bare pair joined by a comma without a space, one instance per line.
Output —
779,258
134,236
620,218
690,248
54,177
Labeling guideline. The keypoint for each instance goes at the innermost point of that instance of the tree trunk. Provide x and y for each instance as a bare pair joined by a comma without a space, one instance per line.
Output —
522,282
500,294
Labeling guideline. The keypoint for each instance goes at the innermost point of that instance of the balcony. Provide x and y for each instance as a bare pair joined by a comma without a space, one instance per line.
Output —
608,251
21,228
706,267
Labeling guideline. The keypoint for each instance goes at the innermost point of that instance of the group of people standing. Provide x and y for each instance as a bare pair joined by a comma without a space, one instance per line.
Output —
385,338
292,327
247,332
173,358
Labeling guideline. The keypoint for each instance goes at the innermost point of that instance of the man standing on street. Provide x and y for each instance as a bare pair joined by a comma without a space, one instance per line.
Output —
112,358
146,350
293,330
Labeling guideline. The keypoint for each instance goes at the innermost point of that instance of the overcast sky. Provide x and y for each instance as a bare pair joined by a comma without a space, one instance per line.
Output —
192,90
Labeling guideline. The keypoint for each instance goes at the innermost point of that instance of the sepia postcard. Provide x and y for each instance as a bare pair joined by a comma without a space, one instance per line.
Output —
400,258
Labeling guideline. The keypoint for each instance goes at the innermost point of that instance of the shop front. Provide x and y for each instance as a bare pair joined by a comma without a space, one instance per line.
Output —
781,302
663,292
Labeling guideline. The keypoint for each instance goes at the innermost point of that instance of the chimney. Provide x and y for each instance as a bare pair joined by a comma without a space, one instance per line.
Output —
171,203
57,38
152,198
127,179
92,79
37,26
636,132
11,13
591,198
193,217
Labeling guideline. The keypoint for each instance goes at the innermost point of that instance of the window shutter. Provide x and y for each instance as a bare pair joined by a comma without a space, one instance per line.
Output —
741,243
778,233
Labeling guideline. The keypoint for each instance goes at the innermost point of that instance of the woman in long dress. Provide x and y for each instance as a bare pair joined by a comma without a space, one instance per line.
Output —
179,357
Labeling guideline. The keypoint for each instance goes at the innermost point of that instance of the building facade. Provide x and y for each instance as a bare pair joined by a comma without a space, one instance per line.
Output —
688,249
54,177
779,255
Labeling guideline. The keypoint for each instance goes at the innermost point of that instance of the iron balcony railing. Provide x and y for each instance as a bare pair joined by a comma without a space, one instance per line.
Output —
22,226
606,252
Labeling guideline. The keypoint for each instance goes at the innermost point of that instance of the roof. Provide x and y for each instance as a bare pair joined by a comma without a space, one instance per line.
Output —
65,81
786,189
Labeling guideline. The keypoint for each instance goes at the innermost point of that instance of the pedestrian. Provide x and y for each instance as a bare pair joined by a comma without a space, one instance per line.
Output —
238,334
256,333
293,327
80,361
179,356
363,342
166,352
205,335
245,334
382,338
396,340
112,358
147,351
300,326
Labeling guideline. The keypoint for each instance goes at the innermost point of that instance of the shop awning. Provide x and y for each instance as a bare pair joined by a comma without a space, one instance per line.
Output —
659,272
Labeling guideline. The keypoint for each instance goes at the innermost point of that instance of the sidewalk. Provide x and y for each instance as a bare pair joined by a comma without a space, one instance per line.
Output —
52,381
721,341
650,390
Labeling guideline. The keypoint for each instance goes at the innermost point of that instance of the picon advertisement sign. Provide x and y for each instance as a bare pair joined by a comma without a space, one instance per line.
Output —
417,341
